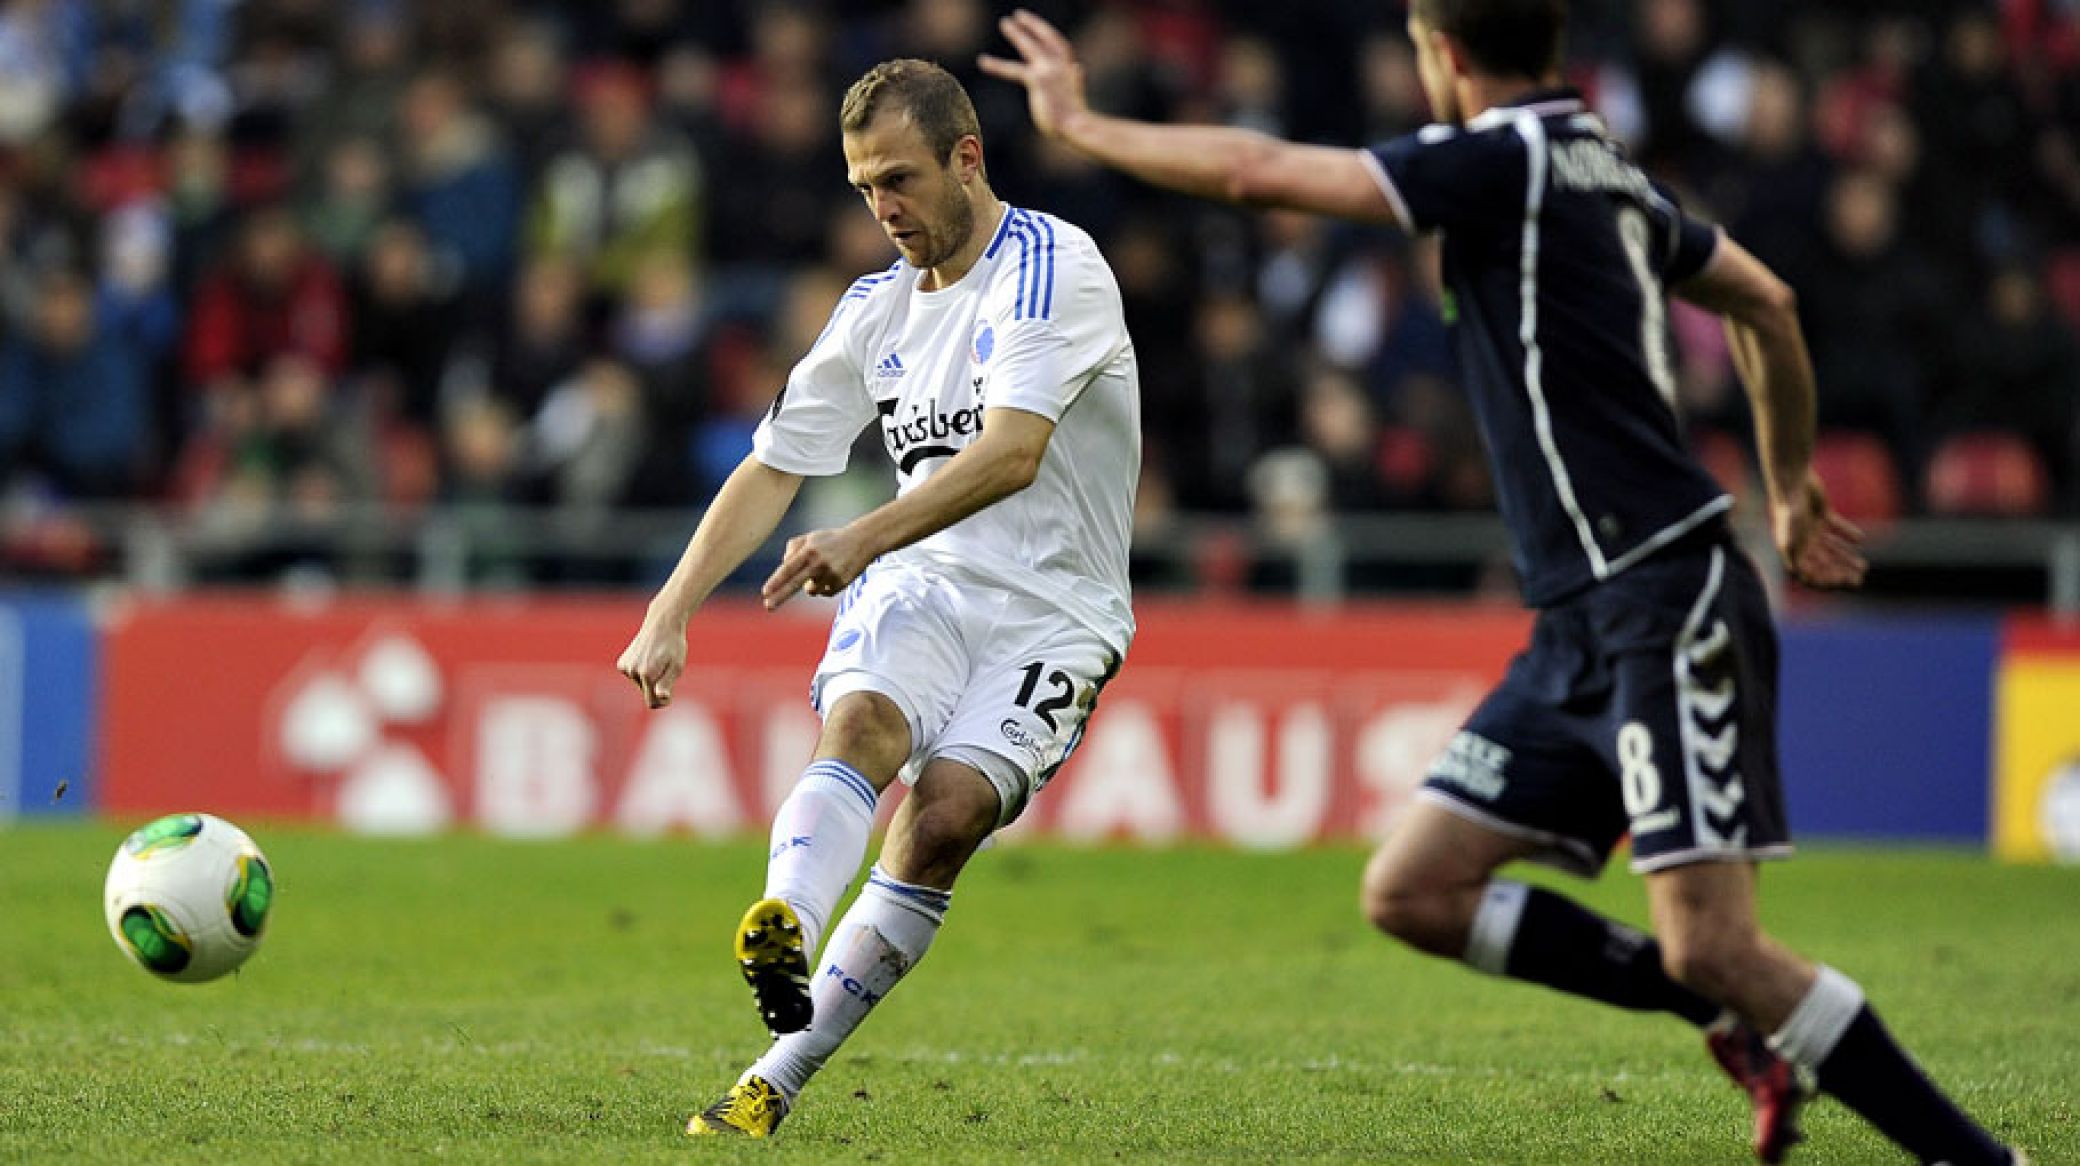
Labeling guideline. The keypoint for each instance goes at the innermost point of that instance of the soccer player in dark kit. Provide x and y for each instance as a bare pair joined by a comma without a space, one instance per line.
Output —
1646,702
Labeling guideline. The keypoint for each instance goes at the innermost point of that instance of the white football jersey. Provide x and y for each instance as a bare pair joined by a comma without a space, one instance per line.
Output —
1035,325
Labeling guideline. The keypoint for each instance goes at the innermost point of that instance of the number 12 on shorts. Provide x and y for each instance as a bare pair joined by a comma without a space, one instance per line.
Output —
1062,692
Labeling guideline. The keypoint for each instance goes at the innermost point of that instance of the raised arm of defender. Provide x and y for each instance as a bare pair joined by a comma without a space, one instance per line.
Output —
1819,546
1217,162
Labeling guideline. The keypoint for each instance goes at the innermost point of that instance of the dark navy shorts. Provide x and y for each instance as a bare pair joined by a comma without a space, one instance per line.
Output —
1646,704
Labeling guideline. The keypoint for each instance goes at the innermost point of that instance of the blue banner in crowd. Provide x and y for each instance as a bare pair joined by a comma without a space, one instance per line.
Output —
48,705
1885,727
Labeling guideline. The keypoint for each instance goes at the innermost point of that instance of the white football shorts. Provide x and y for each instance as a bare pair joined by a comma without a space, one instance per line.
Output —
997,680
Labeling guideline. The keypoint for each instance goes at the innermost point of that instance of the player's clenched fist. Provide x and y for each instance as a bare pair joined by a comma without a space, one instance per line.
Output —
654,660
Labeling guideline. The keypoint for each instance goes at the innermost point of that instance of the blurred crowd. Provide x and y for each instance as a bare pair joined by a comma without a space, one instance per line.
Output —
269,262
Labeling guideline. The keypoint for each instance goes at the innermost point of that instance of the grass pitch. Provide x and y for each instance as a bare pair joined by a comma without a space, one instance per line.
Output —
477,1000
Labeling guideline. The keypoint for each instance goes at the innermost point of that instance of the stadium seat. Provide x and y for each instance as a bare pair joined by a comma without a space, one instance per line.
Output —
119,175
2062,285
1406,460
1221,562
408,466
1986,474
1861,478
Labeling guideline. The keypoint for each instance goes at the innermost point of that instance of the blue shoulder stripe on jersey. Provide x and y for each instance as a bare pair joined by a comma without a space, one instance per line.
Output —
865,284
1003,229
1047,308
860,289
1021,232
1035,268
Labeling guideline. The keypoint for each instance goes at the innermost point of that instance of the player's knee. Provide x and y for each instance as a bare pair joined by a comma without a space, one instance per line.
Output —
868,730
1416,914
1397,914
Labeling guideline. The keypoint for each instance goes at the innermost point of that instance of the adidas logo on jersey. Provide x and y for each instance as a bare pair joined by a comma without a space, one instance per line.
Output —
890,368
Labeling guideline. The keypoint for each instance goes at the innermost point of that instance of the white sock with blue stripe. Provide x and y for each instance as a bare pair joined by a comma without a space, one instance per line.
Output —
819,839
888,929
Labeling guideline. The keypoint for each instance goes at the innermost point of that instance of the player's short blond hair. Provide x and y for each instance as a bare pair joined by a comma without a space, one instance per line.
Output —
934,99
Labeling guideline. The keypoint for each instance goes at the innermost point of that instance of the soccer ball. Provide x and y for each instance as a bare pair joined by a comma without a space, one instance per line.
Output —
187,897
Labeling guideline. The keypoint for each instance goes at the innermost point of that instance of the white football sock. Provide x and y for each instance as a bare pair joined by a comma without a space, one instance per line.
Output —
1817,1024
888,929
819,838
1494,929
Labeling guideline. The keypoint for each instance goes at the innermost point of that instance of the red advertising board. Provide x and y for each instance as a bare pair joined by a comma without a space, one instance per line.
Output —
1254,725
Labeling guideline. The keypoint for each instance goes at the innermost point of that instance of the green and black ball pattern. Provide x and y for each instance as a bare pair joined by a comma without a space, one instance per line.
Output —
252,893
158,943
167,833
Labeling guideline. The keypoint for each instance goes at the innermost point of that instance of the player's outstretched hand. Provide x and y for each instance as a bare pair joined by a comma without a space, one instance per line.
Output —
654,660
1820,547
821,562
1047,68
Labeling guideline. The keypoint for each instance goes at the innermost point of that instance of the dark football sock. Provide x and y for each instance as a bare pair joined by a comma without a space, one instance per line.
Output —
1532,934
1836,1035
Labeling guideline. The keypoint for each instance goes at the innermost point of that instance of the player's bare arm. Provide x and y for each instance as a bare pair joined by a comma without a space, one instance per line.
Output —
1002,461
1217,162
1820,547
745,512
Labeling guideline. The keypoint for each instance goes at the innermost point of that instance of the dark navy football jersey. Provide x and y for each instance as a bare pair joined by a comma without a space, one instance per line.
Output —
1556,253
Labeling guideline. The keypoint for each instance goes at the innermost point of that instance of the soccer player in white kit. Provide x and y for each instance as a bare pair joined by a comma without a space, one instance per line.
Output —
981,610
